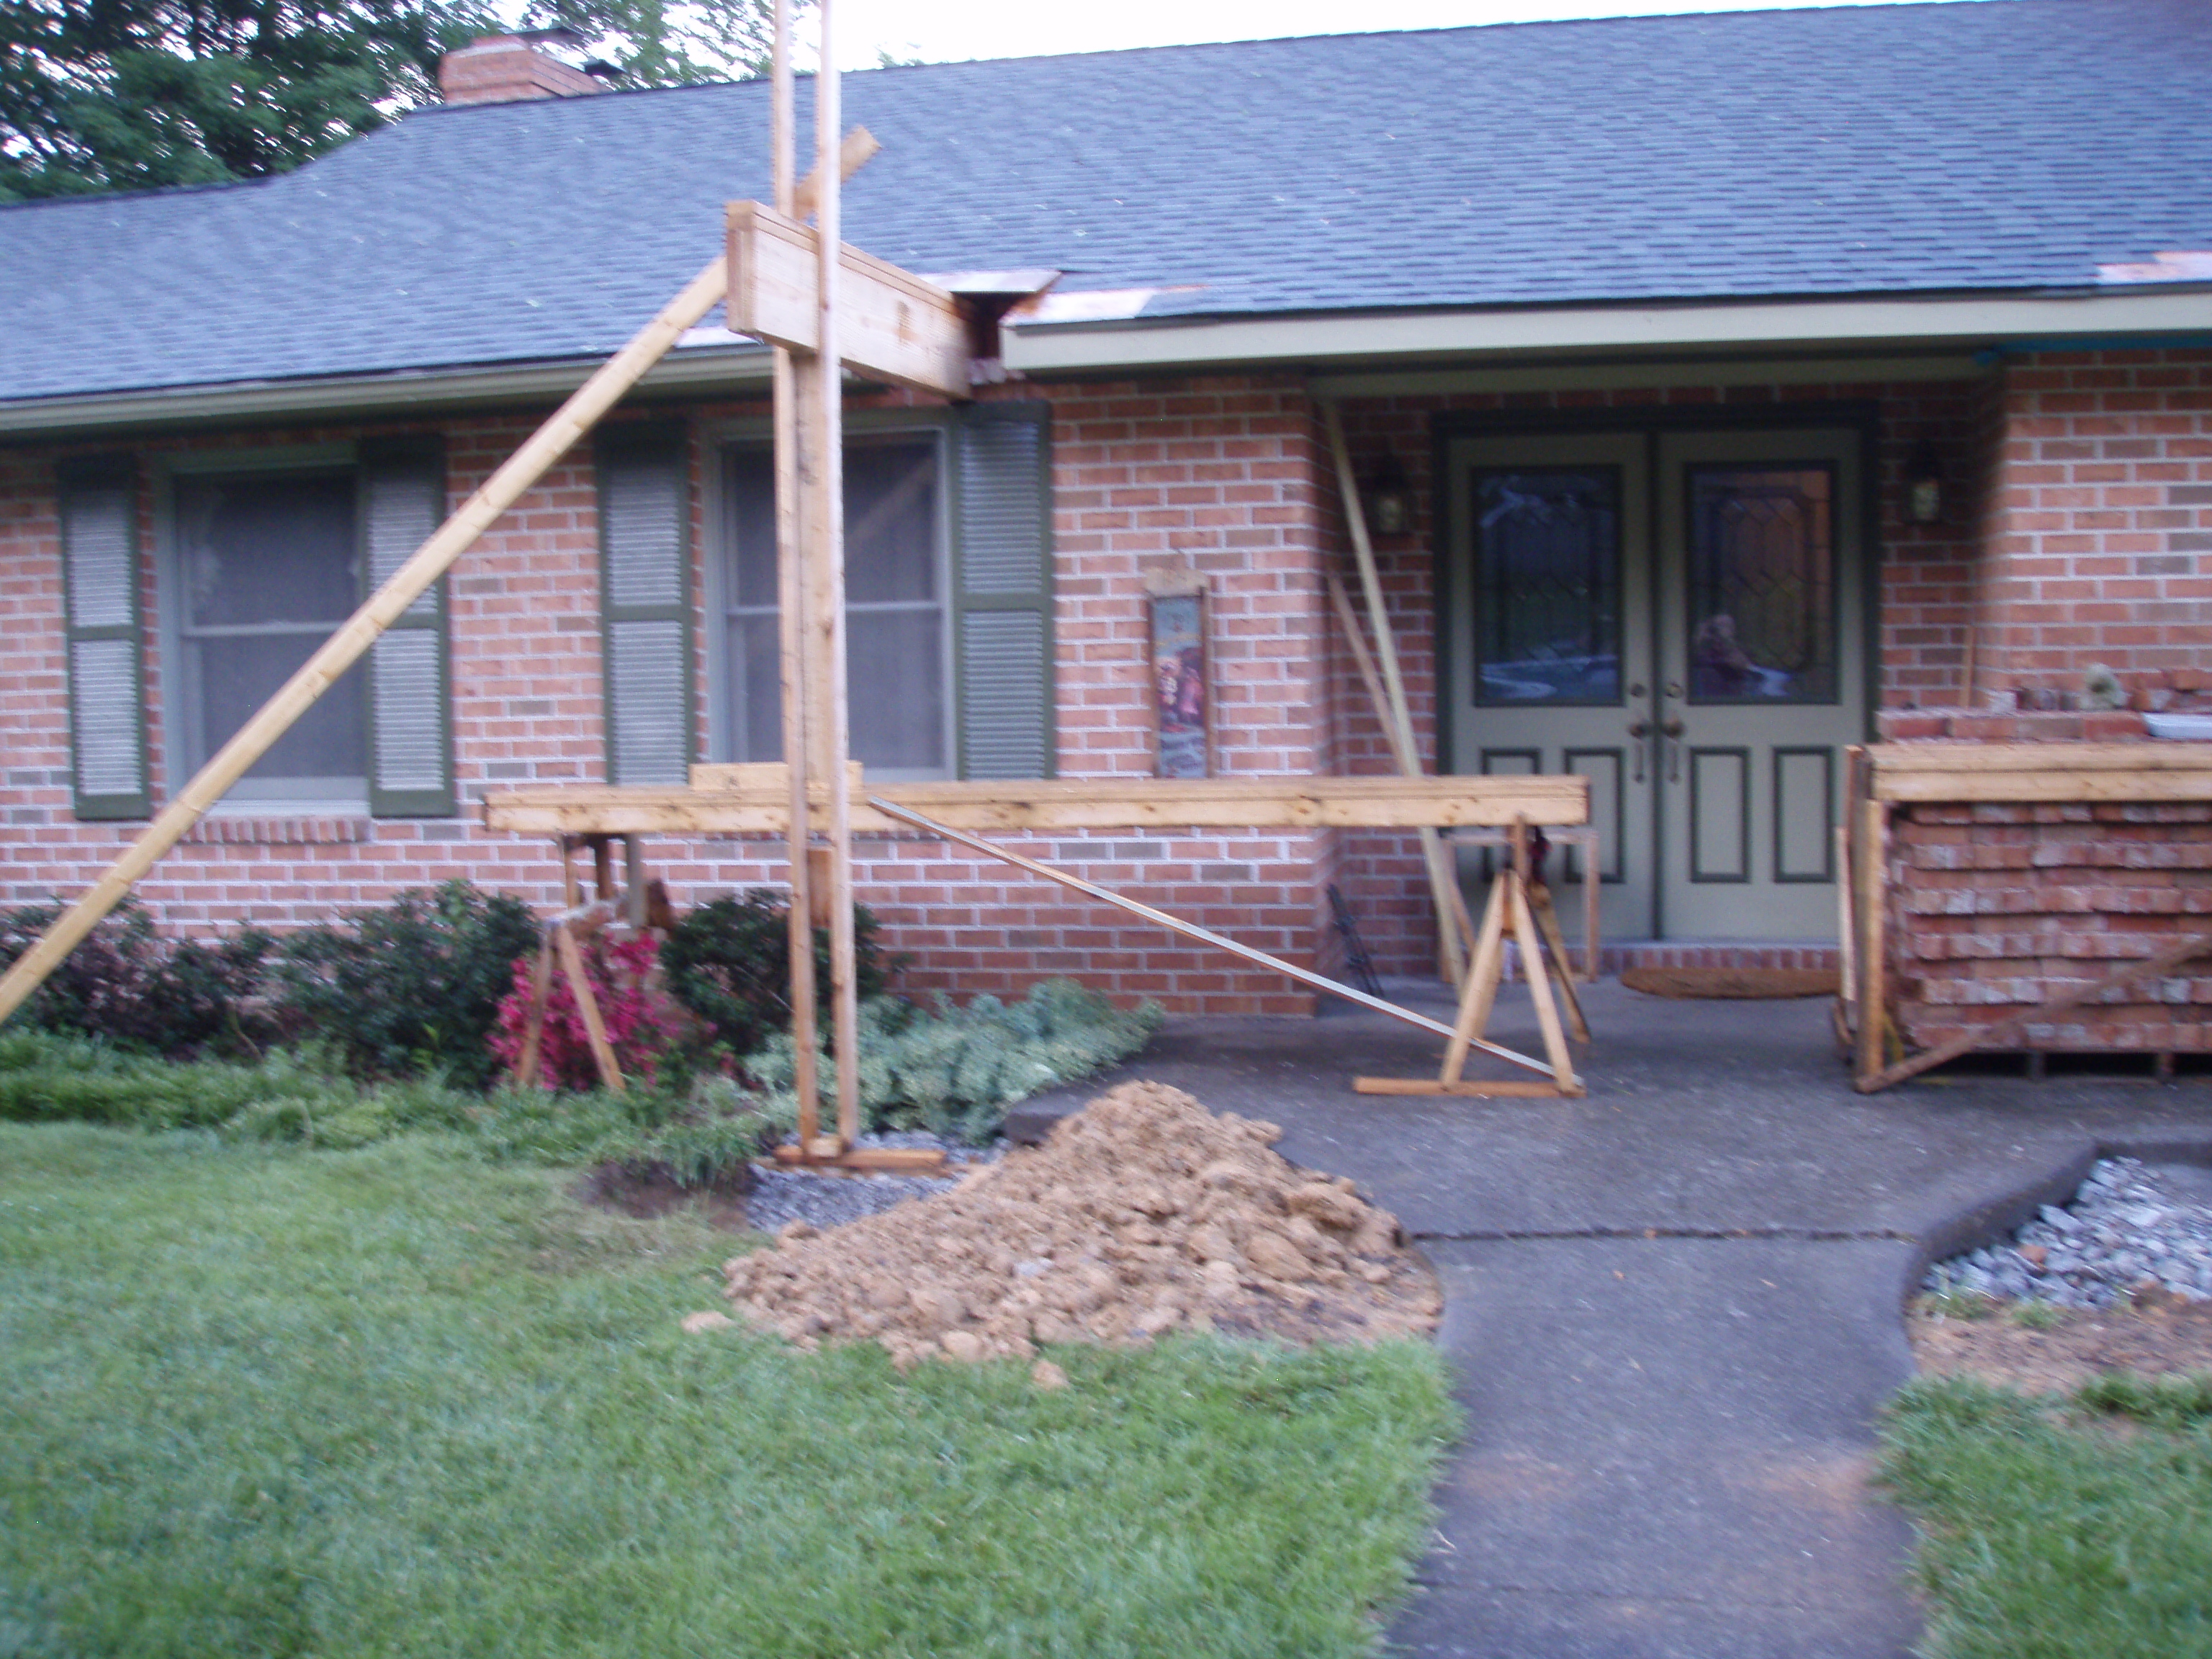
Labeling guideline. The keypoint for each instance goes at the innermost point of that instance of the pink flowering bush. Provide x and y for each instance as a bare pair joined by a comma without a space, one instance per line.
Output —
644,1025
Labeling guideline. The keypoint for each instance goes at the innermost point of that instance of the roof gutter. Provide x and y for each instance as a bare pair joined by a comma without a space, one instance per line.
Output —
1980,320
742,368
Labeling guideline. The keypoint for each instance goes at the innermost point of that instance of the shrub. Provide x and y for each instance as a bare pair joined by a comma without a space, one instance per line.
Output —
414,987
126,985
729,963
955,1071
643,1028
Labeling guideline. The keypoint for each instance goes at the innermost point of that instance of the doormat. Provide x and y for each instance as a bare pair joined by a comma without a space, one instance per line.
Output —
1733,981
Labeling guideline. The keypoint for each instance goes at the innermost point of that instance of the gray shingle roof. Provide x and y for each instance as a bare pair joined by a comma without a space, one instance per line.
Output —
1994,144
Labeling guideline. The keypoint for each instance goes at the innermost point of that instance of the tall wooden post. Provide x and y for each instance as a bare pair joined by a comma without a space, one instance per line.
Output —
792,637
826,584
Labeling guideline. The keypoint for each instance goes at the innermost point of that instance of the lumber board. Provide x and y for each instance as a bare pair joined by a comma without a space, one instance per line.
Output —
892,325
1959,755
907,1160
1502,1089
2045,786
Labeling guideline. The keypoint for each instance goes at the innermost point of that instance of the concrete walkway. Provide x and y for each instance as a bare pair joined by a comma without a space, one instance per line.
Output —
1672,1305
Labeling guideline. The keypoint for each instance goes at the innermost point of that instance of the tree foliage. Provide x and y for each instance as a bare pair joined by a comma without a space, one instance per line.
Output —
125,94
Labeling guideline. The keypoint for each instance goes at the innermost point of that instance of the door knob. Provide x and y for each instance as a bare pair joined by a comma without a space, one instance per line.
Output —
1673,728
1640,730
1672,731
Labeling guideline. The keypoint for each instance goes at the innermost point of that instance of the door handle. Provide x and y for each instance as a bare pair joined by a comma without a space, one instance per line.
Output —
1640,730
1672,731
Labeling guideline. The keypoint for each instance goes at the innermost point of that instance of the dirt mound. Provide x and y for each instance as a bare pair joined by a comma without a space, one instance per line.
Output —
1143,1214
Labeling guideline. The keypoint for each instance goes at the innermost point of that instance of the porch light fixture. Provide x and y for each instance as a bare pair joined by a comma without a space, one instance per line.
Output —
1923,485
1389,497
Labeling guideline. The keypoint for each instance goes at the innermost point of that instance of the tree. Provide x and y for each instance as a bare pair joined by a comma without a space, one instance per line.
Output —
126,94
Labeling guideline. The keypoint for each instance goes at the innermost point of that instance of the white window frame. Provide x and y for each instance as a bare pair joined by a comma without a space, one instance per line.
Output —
716,597
181,725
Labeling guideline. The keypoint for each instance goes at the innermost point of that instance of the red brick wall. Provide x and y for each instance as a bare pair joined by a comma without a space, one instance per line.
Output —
1993,907
1220,474
2101,524
1925,599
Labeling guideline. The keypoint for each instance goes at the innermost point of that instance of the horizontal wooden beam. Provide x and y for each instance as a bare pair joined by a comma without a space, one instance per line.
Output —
890,324
754,804
2045,786
1917,758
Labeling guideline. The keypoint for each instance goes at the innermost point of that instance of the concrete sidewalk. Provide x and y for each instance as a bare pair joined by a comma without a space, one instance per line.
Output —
1673,1305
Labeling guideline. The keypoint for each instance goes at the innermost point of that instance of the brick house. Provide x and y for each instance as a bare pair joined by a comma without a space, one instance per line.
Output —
1719,383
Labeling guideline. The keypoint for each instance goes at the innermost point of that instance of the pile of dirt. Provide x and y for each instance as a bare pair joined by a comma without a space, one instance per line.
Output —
1143,1214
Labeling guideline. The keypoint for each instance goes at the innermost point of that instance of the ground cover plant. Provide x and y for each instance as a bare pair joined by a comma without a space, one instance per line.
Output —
2059,1527
126,984
259,1399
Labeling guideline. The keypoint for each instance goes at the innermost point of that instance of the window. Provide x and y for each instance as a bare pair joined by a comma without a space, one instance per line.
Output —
267,567
264,555
947,592
898,636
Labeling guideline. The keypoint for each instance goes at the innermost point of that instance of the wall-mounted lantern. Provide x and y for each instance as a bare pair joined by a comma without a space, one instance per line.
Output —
1923,485
1389,497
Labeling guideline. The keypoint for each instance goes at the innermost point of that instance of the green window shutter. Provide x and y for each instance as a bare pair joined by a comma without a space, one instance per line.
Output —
104,628
402,501
645,602
1003,590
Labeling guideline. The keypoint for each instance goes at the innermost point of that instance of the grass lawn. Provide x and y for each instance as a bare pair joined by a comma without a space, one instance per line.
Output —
260,1400
2079,1529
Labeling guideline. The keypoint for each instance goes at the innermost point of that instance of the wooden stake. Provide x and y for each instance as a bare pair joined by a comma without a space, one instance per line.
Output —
1539,989
533,1033
587,1005
353,639
1555,942
1485,969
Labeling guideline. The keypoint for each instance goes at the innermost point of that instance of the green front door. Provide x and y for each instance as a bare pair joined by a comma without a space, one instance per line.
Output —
1677,615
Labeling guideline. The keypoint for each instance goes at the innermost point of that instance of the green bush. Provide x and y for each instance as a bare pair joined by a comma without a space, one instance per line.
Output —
729,963
128,986
956,1070
411,988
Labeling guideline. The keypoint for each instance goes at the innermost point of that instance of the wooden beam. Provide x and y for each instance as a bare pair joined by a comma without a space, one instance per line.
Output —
1966,788
1477,1088
1192,930
1285,803
892,325
353,639
2012,1025
2147,755
858,150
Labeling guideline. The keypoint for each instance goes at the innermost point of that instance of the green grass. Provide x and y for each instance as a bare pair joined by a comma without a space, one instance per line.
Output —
398,1400
2048,1534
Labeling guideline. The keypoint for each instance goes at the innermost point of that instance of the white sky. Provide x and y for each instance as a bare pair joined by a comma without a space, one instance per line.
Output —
942,32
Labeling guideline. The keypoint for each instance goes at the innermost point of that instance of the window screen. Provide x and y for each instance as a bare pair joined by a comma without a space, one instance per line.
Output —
268,567
898,660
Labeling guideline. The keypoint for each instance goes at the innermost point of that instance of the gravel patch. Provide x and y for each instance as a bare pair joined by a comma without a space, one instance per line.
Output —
2131,1225
827,1198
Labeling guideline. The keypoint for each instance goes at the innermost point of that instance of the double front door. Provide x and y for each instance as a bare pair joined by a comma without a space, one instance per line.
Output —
1677,615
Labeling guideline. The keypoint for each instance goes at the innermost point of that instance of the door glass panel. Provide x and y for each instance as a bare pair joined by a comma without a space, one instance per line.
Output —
1546,584
1762,584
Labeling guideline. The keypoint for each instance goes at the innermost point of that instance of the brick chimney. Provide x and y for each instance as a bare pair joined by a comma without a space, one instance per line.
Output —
502,69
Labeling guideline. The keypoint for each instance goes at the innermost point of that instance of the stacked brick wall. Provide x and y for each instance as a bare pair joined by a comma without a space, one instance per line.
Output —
1925,601
2101,524
1995,907
1221,475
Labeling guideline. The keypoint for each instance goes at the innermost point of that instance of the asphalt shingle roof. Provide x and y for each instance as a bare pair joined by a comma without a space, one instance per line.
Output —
1988,145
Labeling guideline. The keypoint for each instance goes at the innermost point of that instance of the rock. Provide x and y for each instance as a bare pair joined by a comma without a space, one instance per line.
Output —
1271,1254
794,1232
1325,1204
707,1319
1046,1375
964,1346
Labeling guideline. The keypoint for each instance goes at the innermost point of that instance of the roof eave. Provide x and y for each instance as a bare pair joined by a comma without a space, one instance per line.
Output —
1904,322
743,369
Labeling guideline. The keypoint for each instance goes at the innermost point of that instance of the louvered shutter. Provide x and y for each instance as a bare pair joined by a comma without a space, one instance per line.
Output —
1003,590
107,659
645,602
411,729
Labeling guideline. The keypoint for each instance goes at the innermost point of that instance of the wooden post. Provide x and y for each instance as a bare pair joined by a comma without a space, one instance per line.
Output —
533,1033
353,639
1397,719
794,636
1869,884
1484,968
587,1005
